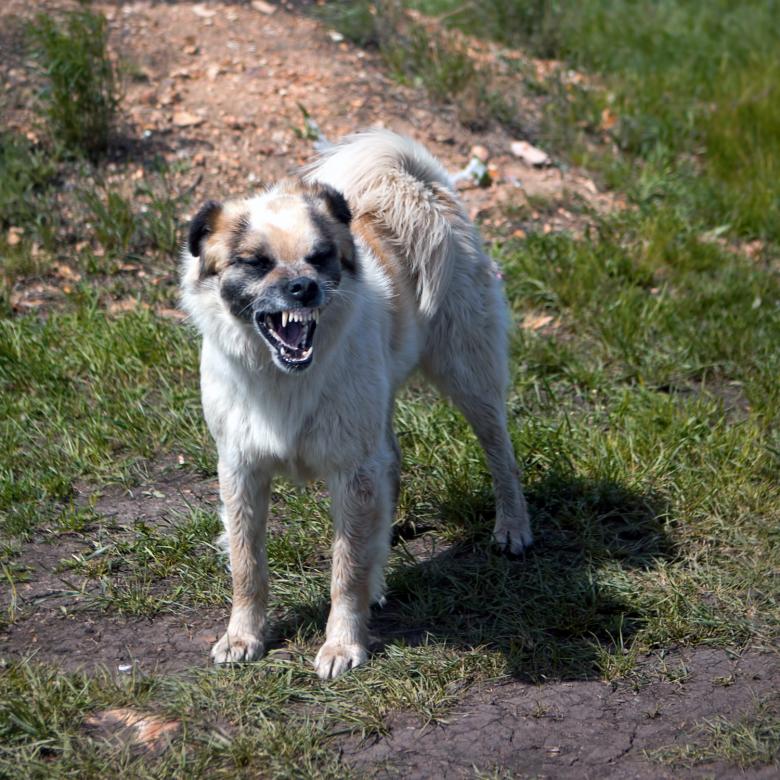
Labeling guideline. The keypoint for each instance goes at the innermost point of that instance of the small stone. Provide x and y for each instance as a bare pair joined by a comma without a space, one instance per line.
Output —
203,12
480,152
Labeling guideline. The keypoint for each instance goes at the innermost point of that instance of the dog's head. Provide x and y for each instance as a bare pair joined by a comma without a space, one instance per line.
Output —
276,262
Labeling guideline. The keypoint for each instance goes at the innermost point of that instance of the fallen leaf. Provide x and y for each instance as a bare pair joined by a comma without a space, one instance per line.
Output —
535,322
608,119
143,731
263,7
14,235
66,272
529,154
186,119
170,314
126,304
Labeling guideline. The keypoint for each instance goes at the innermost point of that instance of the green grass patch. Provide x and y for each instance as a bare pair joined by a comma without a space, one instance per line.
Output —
88,397
81,98
745,742
693,88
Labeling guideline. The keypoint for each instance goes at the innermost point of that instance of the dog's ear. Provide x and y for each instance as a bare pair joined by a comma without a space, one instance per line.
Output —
335,202
202,224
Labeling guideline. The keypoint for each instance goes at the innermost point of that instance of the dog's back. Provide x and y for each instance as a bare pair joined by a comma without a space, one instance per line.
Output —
401,197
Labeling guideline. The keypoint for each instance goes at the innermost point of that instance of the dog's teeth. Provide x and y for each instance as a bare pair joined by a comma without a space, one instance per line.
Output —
285,315
315,315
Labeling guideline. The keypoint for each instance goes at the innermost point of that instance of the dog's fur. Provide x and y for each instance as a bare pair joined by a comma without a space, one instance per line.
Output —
375,243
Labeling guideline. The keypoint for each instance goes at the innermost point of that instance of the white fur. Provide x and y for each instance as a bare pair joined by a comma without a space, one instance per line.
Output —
334,420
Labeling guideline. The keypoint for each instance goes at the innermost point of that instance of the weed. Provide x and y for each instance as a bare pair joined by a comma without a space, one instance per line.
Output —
113,221
82,95
751,740
420,56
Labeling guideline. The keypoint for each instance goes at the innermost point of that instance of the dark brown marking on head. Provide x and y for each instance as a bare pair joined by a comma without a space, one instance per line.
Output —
332,216
218,246
202,225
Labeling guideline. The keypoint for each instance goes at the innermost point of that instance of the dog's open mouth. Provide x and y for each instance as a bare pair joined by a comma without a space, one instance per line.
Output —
290,334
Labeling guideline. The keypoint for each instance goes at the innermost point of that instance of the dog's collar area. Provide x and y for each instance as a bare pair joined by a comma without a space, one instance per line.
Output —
290,334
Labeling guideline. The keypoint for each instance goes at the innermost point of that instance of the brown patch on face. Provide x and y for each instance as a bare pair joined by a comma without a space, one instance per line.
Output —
331,214
227,227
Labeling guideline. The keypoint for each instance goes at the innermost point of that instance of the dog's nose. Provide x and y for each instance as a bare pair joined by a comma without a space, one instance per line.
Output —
304,289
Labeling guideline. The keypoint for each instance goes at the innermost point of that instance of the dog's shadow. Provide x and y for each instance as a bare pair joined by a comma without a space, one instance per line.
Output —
552,613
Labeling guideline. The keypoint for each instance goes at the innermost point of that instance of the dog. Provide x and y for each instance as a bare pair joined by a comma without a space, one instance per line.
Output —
315,301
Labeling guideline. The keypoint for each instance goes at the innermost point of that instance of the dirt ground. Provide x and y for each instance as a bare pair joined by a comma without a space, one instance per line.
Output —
582,729
217,86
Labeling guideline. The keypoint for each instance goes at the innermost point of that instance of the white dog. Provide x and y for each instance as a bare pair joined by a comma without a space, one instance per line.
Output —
316,300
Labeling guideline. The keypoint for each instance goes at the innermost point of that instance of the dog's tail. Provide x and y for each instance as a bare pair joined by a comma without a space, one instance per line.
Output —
397,183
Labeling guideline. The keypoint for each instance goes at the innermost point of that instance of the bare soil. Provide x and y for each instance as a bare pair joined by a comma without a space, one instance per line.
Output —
579,729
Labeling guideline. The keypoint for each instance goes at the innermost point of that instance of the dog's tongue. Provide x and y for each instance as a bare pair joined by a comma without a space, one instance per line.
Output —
291,334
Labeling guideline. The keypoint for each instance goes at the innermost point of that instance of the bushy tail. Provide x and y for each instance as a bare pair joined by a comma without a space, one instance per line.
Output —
404,188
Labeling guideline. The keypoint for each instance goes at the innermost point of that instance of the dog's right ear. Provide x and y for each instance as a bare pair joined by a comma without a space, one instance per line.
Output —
202,225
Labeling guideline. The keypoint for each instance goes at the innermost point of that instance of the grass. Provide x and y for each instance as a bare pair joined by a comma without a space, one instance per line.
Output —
645,418
82,93
421,56
745,742
692,88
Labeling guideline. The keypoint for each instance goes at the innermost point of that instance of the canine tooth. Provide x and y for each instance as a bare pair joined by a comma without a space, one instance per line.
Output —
285,315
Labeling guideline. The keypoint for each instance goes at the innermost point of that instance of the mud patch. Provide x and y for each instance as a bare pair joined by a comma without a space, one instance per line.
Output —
78,641
582,729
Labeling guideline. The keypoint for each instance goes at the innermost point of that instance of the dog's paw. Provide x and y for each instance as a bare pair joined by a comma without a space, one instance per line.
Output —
513,538
333,659
237,649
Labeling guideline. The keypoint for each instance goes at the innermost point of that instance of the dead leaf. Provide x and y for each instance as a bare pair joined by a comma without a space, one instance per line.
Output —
14,235
143,731
125,304
186,119
530,154
263,7
535,322
608,119
170,314
66,272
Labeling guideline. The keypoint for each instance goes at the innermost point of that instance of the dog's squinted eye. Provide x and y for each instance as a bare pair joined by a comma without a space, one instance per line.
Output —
260,263
321,255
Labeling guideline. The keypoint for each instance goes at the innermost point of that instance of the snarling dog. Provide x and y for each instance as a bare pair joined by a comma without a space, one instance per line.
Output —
316,300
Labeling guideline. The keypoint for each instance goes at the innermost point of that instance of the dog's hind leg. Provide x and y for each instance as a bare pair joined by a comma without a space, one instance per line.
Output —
245,496
378,584
466,358
361,507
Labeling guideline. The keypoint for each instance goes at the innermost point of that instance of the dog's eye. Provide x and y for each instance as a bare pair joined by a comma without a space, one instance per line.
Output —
259,262
321,256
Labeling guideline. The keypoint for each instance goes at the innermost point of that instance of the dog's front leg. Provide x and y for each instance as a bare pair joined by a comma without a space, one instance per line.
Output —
361,506
245,495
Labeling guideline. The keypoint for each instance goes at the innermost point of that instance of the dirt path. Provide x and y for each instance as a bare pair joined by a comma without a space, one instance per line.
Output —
579,729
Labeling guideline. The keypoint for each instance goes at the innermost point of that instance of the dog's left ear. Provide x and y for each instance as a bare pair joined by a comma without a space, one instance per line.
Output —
336,203
202,224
